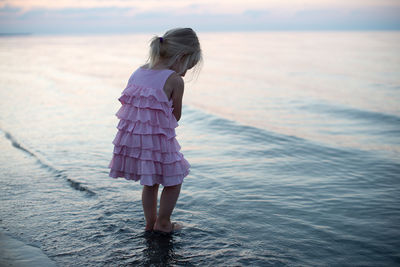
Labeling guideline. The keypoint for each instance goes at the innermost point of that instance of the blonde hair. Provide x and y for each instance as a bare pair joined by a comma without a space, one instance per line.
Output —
175,43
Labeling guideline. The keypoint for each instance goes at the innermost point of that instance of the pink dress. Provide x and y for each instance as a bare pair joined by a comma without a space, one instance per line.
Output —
145,147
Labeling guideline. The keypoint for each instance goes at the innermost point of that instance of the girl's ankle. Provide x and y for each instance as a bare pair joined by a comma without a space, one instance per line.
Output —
164,226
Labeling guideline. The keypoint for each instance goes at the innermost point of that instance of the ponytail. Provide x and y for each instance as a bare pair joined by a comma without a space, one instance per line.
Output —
155,49
175,43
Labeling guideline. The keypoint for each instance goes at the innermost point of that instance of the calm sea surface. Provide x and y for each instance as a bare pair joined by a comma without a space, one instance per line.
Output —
293,138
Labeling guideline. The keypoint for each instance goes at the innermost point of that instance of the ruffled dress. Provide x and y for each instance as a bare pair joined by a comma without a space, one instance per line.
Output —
145,147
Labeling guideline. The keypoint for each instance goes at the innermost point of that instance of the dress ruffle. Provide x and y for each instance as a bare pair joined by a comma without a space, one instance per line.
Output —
145,147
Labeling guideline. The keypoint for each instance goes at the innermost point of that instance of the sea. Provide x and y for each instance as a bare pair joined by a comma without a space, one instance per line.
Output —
293,140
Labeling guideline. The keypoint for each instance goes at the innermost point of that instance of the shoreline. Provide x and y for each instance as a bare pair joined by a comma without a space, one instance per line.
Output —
14,252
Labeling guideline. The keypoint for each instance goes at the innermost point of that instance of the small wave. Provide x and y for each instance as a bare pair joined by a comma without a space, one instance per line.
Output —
273,145
258,142
226,126
58,173
353,113
18,145
78,186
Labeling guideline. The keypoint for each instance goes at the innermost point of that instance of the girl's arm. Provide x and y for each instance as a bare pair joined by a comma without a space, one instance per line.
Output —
177,95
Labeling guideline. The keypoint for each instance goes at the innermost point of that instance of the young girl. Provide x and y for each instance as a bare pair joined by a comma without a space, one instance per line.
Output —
145,145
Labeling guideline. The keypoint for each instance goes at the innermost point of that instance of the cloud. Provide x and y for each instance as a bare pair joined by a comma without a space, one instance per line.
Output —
257,13
132,19
208,6
362,18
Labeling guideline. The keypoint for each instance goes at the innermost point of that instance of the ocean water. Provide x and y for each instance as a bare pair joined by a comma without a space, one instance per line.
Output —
293,138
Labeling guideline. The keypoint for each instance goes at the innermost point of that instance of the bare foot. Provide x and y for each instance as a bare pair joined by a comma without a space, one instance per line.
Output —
176,226
172,227
148,228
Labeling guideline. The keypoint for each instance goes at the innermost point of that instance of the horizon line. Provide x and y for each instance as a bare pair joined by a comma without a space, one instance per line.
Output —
203,31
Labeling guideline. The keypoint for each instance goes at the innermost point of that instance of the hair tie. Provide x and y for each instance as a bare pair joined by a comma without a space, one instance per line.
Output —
161,39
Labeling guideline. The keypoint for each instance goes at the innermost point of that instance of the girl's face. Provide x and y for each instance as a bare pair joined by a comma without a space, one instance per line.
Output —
188,68
177,66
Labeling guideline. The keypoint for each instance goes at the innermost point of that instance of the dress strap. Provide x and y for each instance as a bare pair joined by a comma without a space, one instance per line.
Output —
165,75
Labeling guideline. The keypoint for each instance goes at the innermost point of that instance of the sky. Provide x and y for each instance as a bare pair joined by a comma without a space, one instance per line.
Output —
126,16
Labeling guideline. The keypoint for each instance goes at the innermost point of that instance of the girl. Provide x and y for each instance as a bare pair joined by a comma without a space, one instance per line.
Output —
145,145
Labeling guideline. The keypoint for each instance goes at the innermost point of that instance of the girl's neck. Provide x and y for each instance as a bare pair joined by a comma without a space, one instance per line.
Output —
162,66
158,67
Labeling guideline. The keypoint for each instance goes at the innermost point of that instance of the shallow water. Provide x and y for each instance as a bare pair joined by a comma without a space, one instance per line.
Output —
296,164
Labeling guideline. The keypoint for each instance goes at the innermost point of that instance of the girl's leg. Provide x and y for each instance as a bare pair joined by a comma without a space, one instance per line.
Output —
149,201
168,200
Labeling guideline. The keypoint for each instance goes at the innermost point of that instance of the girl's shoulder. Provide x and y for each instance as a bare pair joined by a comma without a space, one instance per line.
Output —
175,81
174,85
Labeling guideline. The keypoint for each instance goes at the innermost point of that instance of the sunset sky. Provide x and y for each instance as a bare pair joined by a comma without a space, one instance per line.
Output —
123,16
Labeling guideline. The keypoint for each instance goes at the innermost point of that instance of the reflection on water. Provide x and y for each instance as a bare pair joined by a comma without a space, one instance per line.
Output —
159,249
299,83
